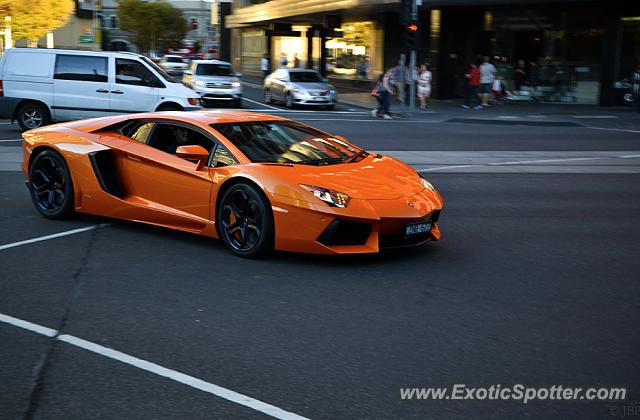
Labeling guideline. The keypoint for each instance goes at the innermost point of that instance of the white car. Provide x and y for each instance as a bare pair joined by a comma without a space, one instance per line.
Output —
173,64
299,87
214,80
40,86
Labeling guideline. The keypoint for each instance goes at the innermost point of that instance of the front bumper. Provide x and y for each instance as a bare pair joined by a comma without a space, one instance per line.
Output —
368,227
219,94
314,100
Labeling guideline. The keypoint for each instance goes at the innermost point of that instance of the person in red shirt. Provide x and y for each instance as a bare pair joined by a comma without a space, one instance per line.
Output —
473,83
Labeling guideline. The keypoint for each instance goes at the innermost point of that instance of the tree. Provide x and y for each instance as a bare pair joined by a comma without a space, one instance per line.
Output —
32,19
155,26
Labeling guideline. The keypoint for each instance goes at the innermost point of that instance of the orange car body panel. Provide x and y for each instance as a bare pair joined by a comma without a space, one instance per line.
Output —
165,190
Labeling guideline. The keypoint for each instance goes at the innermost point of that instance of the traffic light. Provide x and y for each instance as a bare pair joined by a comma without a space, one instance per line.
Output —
194,24
411,35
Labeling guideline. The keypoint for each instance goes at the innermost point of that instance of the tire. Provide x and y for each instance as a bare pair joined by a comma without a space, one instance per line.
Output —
288,100
32,115
170,107
246,221
268,98
51,186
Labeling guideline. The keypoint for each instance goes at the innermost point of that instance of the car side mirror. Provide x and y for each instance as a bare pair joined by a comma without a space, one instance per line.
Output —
194,152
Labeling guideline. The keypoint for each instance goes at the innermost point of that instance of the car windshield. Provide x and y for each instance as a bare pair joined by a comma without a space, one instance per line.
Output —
286,142
174,60
305,77
159,70
214,70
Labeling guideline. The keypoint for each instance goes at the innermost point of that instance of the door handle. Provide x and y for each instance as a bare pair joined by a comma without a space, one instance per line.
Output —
136,159
102,91
119,92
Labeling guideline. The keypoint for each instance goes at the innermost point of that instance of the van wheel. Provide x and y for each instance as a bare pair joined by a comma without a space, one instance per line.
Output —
32,115
170,107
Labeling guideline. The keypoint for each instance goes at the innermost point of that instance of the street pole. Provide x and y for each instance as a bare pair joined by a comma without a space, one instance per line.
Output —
412,62
8,42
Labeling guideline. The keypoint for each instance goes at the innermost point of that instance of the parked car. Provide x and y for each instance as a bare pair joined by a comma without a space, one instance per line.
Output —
38,86
173,64
214,80
299,87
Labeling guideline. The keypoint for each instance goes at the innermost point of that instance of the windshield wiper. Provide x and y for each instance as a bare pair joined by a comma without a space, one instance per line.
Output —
323,161
361,153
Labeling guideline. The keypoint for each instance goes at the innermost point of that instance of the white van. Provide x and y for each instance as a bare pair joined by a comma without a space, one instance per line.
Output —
38,86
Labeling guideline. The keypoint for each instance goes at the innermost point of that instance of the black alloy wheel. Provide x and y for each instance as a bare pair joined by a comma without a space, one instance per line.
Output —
246,222
289,101
51,185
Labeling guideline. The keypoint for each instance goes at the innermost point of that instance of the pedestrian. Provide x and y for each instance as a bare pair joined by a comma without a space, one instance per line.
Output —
363,68
473,83
424,85
399,75
520,75
384,92
264,65
635,89
296,61
283,60
487,76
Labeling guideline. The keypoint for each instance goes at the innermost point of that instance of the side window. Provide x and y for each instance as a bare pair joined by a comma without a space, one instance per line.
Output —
141,133
168,137
132,72
81,67
222,157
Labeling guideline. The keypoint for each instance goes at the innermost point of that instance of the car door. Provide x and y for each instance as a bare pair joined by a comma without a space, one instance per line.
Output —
279,83
171,189
80,86
134,88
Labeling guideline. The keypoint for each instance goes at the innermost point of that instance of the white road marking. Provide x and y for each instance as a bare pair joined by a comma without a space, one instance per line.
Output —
55,235
367,120
625,130
594,116
6,141
174,375
259,103
525,162
39,329
444,167
629,156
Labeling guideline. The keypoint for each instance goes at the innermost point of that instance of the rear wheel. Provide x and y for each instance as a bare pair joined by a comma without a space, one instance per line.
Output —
245,221
51,185
32,115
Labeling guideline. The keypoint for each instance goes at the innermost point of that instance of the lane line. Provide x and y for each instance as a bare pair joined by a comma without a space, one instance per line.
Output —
4,141
26,325
625,130
55,235
629,156
145,365
368,120
586,117
259,103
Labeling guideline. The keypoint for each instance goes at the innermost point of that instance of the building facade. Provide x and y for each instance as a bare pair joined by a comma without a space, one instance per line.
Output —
572,51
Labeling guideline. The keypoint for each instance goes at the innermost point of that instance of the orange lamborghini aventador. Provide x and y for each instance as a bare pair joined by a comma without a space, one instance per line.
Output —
256,181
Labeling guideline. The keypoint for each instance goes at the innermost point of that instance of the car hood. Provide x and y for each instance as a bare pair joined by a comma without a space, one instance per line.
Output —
373,178
225,79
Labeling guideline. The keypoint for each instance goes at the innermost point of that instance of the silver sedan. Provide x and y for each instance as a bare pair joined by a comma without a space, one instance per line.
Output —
298,87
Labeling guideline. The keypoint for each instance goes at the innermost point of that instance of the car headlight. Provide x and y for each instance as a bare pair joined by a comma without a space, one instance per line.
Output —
427,184
201,83
235,84
333,198
300,92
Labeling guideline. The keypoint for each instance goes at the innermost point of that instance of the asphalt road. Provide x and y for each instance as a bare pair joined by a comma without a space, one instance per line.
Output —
535,282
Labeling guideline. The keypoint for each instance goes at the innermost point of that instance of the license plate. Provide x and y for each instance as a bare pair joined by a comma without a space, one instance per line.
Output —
319,98
416,228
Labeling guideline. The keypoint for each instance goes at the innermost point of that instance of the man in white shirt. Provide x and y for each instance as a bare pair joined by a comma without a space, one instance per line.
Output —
487,76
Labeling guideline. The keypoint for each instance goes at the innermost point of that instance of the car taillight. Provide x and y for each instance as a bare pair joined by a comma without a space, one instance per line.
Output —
1,89
193,101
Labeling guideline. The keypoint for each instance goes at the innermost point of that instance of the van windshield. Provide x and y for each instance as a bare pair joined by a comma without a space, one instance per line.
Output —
159,70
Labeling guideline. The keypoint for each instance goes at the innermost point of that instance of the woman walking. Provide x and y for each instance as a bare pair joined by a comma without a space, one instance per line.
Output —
424,85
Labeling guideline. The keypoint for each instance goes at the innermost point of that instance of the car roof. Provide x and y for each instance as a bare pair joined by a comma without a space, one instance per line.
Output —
210,62
70,51
201,118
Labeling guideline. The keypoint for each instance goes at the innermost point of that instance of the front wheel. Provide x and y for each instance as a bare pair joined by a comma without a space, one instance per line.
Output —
245,221
289,101
267,96
51,185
